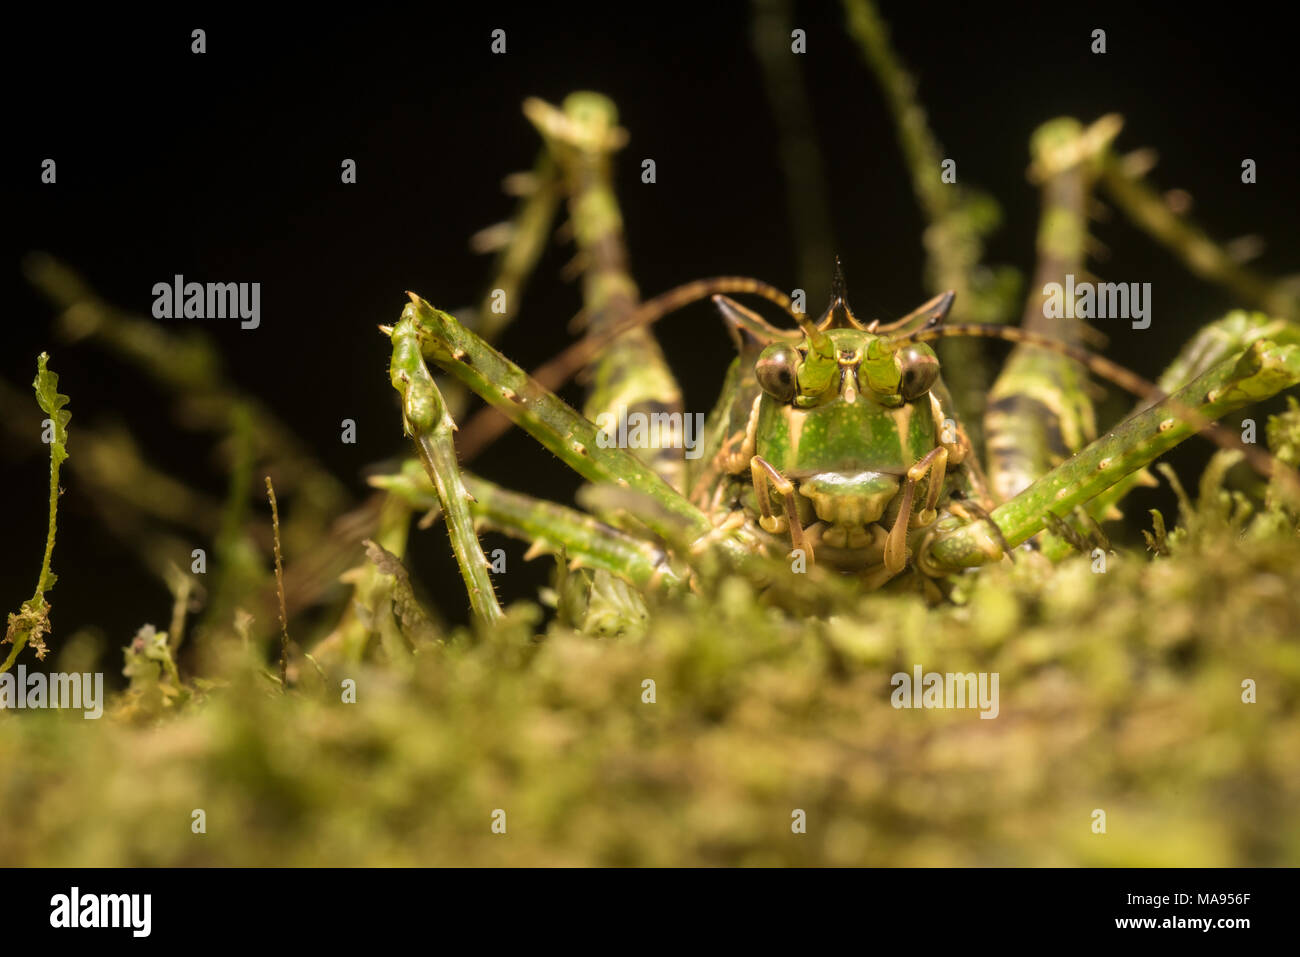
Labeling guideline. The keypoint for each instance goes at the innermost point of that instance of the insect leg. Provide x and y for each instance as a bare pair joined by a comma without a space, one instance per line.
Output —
765,478
523,245
577,441
547,526
896,543
954,239
938,470
487,426
1265,369
631,376
427,422
1039,411
1214,343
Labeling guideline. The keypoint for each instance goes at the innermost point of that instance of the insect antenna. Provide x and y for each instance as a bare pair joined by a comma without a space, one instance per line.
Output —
1263,462
934,312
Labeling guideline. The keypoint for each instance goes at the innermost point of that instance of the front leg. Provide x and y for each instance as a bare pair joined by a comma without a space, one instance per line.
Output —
574,439
1212,344
424,413
1263,371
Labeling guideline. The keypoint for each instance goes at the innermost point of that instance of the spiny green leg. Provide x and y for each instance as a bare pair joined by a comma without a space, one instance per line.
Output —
1039,411
1221,339
1213,344
520,244
801,159
630,375
427,422
959,218
570,436
1264,370
586,542
486,426
620,481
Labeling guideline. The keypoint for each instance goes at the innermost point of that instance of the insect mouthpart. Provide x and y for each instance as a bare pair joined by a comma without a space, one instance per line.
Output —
848,383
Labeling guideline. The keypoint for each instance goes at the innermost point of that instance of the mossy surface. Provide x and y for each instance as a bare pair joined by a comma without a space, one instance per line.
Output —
1120,691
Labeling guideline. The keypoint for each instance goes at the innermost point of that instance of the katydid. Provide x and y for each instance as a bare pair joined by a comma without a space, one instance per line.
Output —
835,450
834,440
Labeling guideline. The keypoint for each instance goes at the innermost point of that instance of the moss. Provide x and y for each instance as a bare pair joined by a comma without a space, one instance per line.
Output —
31,622
1120,691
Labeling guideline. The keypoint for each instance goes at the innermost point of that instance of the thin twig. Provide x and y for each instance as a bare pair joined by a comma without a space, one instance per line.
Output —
279,587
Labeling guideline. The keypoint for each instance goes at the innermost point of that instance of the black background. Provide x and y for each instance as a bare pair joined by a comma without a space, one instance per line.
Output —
226,167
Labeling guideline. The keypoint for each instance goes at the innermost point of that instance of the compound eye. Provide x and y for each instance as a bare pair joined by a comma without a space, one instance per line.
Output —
918,367
776,369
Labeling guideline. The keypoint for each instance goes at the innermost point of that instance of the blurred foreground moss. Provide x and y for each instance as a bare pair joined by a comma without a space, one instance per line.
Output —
1119,691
